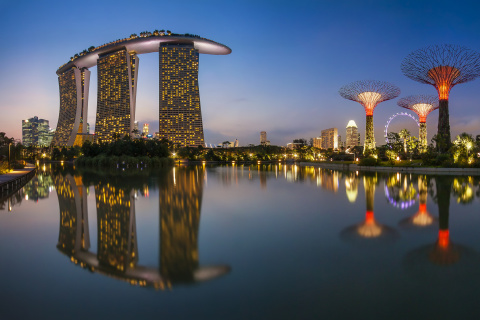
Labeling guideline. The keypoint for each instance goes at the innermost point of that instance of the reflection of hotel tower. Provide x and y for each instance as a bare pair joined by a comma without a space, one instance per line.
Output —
72,200
180,203
117,238
117,252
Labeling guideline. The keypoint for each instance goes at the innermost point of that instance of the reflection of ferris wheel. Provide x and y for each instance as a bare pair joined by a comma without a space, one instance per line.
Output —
393,117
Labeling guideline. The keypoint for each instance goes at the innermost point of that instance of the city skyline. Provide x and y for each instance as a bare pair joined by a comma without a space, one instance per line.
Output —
332,43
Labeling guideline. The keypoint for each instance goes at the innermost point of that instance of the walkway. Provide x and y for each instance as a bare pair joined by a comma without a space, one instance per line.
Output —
14,180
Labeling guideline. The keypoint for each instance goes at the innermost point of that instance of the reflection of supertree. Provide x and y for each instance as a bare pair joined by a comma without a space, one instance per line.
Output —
422,218
351,187
422,105
400,191
442,66
180,205
444,252
369,94
369,228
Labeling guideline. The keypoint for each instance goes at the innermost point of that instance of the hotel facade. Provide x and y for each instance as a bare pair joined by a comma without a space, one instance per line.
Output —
180,118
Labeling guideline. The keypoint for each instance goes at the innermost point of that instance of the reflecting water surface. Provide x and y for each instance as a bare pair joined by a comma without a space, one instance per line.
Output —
240,242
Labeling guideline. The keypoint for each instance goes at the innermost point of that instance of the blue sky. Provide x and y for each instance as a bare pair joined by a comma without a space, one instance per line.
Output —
289,58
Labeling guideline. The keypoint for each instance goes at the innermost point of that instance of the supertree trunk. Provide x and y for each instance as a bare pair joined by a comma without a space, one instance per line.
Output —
443,135
422,135
369,144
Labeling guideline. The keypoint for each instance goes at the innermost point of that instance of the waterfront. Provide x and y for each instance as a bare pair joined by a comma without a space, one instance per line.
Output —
240,242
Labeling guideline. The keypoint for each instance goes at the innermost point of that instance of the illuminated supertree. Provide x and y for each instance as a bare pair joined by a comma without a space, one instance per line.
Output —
369,94
422,105
442,66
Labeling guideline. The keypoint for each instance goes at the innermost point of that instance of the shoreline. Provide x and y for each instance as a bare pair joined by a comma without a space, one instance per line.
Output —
424,170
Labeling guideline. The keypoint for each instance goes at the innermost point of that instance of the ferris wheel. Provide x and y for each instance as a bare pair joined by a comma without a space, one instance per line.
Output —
393,117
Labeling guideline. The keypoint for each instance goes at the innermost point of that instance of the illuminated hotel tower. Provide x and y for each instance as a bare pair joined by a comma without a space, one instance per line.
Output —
74,84
117,88
180,118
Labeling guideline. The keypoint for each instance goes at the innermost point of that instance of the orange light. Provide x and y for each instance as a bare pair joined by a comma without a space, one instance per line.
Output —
369,100
443,77
443,238
369,217
422,207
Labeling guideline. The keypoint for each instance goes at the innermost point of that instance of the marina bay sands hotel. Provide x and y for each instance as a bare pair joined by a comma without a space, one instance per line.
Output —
180,117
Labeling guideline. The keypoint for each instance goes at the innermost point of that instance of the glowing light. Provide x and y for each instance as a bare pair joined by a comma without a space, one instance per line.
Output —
443,77
443,238
423,109
369,100
398,158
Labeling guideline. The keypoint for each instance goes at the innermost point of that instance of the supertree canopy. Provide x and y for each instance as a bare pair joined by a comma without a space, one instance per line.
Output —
422,105
369,94
442,66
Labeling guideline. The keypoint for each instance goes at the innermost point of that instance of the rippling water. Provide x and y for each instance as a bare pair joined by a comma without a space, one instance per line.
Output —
240,242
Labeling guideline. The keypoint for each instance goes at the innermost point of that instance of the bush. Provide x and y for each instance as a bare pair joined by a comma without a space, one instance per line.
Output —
369,161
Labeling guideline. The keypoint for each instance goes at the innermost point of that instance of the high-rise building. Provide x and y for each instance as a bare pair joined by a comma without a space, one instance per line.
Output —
117,65
235,145
330,138
317,142
117,88
340,142
353,138
36,132
74,83
145,129
180,118
263,138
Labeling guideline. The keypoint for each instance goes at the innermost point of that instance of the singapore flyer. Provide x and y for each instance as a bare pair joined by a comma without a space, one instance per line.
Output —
393,117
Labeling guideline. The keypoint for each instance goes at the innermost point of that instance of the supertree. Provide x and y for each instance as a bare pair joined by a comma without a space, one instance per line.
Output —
442,66
422,105
369,94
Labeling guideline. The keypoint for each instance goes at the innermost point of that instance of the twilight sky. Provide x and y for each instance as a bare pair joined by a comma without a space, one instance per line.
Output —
288,60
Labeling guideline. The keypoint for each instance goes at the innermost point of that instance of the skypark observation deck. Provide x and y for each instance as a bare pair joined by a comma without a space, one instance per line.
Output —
180,118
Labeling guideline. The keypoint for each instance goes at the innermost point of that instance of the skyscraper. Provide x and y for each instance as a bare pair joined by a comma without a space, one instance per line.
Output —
117,88
330,138
74,83
117,65
36,132
263,138
180,118
353,138
145,129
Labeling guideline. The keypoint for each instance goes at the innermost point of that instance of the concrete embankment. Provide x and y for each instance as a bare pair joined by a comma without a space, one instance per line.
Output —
419,170
14,180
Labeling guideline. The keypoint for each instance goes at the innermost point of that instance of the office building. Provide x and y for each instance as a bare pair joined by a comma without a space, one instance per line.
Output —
145,129
263,138
36,132
330,138
353,138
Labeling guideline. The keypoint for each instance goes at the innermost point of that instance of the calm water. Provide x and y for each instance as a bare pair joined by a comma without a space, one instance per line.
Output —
240,242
